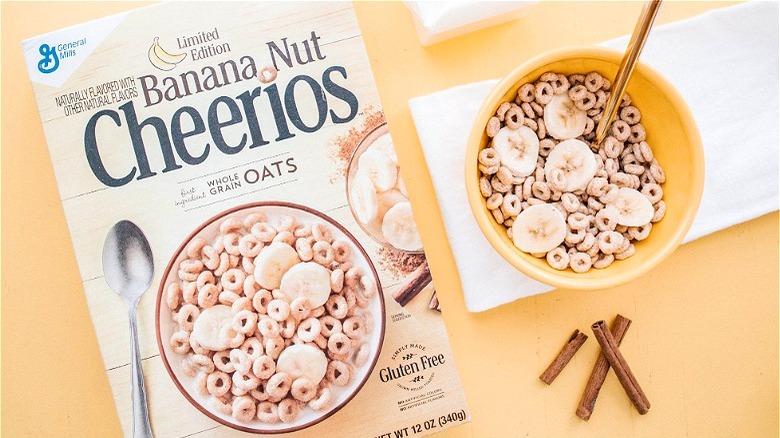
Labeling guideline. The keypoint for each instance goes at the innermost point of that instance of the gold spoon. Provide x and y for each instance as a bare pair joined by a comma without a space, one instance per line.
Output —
638,38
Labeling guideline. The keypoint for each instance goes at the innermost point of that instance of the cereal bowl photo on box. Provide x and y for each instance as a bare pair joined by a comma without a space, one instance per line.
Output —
566,211
270,317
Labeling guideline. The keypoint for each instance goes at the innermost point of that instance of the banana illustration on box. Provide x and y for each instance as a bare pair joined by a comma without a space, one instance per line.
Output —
162,59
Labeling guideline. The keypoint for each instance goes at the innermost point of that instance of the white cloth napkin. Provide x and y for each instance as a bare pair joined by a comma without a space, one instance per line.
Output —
723,62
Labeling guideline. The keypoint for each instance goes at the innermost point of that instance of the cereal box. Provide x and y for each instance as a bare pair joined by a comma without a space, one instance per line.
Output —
234,157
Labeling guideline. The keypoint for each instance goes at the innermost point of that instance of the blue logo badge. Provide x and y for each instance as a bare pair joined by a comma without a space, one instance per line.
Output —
50,61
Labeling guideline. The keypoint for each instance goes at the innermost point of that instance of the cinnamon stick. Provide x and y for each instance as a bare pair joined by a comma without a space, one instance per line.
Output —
567,352
421,277
434,303
612,353
600,369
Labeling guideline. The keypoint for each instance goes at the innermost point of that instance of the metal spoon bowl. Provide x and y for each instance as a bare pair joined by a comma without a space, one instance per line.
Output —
128,268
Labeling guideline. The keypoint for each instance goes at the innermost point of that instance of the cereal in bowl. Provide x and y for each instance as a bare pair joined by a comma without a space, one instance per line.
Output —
271,318
559,197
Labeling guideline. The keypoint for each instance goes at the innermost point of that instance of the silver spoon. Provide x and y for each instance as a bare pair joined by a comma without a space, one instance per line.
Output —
634,48
128,268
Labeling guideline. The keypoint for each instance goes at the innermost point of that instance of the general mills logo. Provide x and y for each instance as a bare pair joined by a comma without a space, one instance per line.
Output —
50,61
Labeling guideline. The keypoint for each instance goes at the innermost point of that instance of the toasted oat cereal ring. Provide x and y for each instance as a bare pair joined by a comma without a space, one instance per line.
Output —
187,315
498,215
558,258
244,321
317,312
531,123
560,84
587,102
620,130
180,342
208,296
339,343
268,412
278,310
354,327
253,348
351,297
303,230
259,394
603,260
620,179
264,231
204,278
300,308
249,245
264,367
589,126
494,201
222,361
210,257
195,247
197,349
609,241
267,74
260,301
587,243
309,329
541,131
303,389
367,288
242,303
570,202
601,99
505,175
606,219
330,325
288,327
577,93
191,266
576,79
488,170
541,190
514,117
640,233
593,81
548,76
643,152
594,205
352,276
527,188
511,204
630,114
631,250
321,232
231,243
245,381
201,384
337,280
546,145
528,111
187,276
323,400
638,134
526,93
323,253
338,373
499,186
252,219
502,109
244,409
304,249
489,157
657,172
578,221
289,410
285,236
580,262
484,187
660,211
278,385
224,264
218,383
173,296
612,147
233,280
221,404
493,126
202,363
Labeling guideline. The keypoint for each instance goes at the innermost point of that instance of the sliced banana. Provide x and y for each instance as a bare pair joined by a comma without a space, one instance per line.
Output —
362,196
576,160
384,144
301,360
272,263
310,280
380,168
563,119
538,229
208,325
400,229
632,207
386,201
517,149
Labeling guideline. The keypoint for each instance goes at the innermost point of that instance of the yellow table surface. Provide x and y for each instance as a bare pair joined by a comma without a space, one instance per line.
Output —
704,342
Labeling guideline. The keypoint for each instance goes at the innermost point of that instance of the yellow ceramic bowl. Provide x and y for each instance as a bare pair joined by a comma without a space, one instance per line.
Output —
671,132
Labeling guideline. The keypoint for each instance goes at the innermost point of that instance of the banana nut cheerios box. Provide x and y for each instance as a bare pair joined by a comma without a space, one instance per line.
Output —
248,144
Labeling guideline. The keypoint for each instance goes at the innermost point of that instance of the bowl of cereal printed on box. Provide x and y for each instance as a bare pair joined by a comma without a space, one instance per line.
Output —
563,210
270,317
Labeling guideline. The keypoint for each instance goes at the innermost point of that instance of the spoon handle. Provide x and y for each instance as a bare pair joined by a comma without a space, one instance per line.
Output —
635,45
141,426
